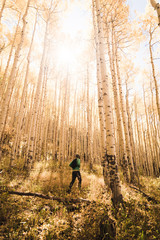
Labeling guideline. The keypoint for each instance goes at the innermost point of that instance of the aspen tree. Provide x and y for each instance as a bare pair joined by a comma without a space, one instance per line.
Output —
77,121
14,105
50,132
63,122
99,84
70,141
58,123
84,145
60,111
130,125
122,148
40,130
101,107
41,109
146,153
156,7
34,119
73,127
110,141
154,130
153,70
77,126
125,123
2,8
89,121
45,141
137,133
144,160
85,122
67,119
9,108
56,117
7,96
85,131
23,97
37,97
42,121
96,136
28,125
154,144
148,133
4,82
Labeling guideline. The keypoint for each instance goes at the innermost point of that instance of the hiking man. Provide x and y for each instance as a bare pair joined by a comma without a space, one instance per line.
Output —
75,165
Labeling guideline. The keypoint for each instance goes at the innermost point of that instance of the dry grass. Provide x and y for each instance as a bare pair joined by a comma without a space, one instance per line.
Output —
49,179
27,217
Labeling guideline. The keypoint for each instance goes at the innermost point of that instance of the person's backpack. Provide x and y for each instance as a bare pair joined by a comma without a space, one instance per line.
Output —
74,163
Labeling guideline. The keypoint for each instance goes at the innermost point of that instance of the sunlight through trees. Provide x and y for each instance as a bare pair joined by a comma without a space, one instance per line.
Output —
69,84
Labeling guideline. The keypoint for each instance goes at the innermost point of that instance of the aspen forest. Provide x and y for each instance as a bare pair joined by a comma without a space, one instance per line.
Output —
79,82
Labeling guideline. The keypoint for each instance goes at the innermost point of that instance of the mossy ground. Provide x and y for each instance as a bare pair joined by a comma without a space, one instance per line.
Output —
24,217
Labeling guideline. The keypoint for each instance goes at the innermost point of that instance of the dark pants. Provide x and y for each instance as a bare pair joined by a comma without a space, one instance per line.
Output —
76,174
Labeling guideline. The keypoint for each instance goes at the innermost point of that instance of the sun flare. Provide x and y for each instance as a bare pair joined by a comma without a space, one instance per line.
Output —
65,55
71,42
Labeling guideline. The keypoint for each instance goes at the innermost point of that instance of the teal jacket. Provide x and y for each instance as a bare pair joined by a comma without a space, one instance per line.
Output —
75,164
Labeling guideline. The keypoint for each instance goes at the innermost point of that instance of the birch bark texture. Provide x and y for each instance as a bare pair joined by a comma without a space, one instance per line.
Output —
100,94
34,117
23,98
156,7
110,139
8,93
2,8
122,147
153,71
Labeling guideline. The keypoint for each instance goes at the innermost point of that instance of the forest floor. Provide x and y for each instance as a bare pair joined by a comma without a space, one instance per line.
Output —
28,217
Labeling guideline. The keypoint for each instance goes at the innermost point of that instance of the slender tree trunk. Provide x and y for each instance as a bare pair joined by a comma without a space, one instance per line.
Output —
37,100
122,148
2,8
63,122
110,141
148,133
125,124
100,94
154,75
130,128
23,98
42,121
7,96
3,83
139,149
89,119
156,7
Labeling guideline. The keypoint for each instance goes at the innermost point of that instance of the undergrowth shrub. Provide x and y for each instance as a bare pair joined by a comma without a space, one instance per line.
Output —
138,220
25,218
94,223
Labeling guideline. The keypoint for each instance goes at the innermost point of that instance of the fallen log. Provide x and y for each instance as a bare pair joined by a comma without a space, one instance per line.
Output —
59,199
149,198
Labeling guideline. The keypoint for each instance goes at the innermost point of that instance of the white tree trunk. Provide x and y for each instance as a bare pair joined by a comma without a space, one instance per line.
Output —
37,101
23,97
156,6
2,8
154,75
7,96
110,140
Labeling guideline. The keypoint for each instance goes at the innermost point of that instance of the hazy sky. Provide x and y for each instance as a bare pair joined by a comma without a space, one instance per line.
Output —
138,5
